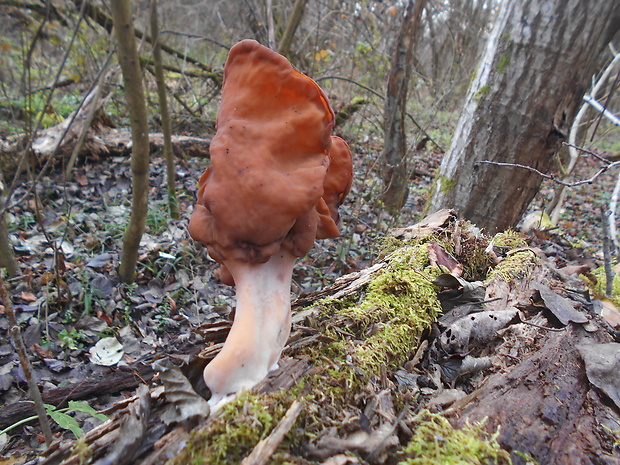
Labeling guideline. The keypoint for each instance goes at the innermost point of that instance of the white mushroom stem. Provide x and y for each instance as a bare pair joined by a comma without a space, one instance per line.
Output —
260,330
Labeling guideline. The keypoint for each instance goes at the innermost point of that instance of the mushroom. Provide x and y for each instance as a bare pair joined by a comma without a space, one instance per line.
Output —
275,182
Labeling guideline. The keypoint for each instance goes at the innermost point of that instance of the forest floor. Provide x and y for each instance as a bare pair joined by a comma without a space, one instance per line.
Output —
68,298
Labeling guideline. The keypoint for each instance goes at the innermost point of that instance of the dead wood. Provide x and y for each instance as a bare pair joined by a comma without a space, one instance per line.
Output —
517,365
118,142
546,408
264,450
100,142
123,379
112,384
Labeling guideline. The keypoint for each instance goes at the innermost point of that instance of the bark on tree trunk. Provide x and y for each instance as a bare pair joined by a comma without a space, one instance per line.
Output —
539,60
7,257
291,26
395,171
166,127
136,106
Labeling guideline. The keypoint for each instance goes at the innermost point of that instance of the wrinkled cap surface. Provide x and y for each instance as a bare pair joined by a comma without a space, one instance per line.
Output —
276,175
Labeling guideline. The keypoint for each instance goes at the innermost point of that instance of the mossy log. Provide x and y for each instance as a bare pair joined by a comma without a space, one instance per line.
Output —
374,373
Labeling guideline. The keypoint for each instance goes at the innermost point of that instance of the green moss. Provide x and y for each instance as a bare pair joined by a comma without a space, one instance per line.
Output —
389,244
503,63
446,184
81,452
599,287
509,240
436,442
234,432
482,92
400,303
514,267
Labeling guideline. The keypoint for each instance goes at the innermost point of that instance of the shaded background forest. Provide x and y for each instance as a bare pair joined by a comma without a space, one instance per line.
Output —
66,229
55,53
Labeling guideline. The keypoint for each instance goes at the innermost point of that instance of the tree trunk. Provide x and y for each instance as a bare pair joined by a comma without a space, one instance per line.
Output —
7,257
291,26
136,106
395,171
173,204
539,61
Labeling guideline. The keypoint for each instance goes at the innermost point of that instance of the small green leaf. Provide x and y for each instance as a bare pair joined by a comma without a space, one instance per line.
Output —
67,422
49,407
84,407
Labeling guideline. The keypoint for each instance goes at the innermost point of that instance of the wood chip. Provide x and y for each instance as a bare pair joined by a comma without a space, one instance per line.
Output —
262,452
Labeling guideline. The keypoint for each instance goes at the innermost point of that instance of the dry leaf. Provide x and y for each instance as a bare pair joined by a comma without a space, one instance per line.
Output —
107,352
610,312
28,296
603,367
183,401
561,307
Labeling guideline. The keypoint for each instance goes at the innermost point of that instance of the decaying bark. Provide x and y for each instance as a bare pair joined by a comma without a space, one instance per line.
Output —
509,349
546,408
103,141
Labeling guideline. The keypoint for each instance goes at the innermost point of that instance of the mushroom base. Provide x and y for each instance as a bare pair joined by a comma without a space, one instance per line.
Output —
260,330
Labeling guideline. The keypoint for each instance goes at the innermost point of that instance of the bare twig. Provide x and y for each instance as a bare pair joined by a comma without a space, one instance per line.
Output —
194,36
555,206
52,154
173,204
262,452
382,97
604,111
105,21
18,342
28,144
553,178
90,115
586,151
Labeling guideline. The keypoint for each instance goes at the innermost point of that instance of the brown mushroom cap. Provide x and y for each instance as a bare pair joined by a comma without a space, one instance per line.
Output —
336,186
276,173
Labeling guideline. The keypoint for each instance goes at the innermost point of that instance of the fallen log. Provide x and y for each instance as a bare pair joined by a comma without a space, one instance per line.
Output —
117,380
100,142
378,369
118,142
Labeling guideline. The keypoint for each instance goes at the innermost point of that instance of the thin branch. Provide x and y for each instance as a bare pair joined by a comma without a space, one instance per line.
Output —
374,92
105,21
194,36
28,145
604,110
589,152
264,450
24,362
552,177
52,156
